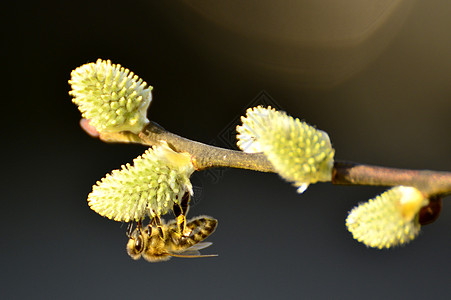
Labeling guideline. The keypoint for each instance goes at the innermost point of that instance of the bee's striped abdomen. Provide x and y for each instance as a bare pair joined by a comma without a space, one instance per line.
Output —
201,228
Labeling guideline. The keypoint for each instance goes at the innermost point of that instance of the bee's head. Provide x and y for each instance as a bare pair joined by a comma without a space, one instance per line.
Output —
137,243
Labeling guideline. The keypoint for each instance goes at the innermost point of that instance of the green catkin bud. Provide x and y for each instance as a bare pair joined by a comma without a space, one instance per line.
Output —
157,180
299,152
388,220
110,96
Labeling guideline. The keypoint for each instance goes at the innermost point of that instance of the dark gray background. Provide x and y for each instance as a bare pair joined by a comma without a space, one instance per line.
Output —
383,94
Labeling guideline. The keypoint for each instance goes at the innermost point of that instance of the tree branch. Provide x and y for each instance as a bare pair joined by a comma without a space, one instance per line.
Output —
431,183
206,156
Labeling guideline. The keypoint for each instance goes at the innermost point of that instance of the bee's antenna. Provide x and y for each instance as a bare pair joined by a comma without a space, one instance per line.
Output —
130,229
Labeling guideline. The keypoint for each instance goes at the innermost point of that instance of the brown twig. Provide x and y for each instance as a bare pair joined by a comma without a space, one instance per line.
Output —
431,183
206,156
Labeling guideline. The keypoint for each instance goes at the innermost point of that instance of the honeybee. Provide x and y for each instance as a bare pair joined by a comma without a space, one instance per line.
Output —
160,242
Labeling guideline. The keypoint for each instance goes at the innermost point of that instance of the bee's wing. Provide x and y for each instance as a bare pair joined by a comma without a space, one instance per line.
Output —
189,252
193,251
184,255
199,246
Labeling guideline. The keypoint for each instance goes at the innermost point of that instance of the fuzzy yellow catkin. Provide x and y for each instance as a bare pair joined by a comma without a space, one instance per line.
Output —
388,220
110,96
150,187
299,152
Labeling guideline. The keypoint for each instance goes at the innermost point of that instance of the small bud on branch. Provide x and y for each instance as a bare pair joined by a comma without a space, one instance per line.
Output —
388,220
112,97
299,152
150,187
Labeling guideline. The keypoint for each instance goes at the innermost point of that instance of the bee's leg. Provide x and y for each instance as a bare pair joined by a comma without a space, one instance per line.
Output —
157,222
184,203
134,233
148,230
180,211
131,225
181,222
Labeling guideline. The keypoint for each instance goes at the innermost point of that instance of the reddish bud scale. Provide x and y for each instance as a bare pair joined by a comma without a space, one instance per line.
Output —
429,213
